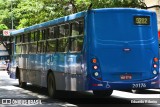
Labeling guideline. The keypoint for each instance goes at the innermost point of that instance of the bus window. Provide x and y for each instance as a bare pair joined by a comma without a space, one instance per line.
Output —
25,38
81,27
23,48
62,45
75,28
41,47
51,46
37,35
33,47
67,30
18,39
32,37
76,43
47,34
18,49
51,33
43,34
64,30
56,32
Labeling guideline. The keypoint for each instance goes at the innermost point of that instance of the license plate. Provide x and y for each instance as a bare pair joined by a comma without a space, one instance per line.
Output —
126,77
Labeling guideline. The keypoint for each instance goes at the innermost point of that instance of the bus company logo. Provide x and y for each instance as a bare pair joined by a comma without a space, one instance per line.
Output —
6,101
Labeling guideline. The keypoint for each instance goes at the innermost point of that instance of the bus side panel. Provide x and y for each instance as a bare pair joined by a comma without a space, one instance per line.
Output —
23,67
42,73
31,68
38,69
76,79
59,68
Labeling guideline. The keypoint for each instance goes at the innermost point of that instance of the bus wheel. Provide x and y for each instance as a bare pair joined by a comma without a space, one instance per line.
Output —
51,85
102,93
21,84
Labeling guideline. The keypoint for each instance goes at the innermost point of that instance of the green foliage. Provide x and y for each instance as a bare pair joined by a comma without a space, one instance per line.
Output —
29,12
3,27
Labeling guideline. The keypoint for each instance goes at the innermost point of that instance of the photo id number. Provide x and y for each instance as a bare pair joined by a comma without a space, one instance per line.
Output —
139,85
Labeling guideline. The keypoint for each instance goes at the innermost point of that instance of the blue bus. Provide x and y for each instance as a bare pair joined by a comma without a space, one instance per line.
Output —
100,50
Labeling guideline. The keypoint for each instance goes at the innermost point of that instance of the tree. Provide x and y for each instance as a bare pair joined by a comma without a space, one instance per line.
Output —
3,27
30,12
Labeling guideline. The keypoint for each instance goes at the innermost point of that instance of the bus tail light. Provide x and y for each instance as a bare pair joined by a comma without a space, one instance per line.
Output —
95,67
154,72
97,85
96,73
155,59
94,60
155,66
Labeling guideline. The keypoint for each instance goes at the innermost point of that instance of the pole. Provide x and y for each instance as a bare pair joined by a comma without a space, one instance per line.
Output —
12,14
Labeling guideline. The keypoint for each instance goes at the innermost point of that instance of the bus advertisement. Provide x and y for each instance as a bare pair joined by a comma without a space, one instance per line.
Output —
100,50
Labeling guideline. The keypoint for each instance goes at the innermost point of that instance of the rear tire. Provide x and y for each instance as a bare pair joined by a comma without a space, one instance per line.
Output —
51,86
102,93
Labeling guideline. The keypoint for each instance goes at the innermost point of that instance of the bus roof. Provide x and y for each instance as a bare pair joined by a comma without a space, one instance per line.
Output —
49,23
124,9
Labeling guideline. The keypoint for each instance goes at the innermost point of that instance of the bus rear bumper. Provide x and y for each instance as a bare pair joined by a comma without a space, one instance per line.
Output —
153,83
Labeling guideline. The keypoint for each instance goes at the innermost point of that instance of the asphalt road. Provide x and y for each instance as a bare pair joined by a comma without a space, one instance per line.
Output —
12,96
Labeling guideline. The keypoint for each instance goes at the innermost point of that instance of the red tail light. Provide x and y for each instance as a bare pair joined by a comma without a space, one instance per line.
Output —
94,60
155,59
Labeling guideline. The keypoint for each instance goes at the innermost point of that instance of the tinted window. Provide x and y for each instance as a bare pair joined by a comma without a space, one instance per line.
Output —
37,35
41,47
77,43
64,30
18,49
51,46
24,48
18,39
25,38
32,37
75,28
51,33
81,27
63,45
33,47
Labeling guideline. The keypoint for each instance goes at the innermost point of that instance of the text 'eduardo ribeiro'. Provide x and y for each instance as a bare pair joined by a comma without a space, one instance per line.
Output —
149,101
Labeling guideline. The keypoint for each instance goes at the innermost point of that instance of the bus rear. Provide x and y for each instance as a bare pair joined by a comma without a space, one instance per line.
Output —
123,49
